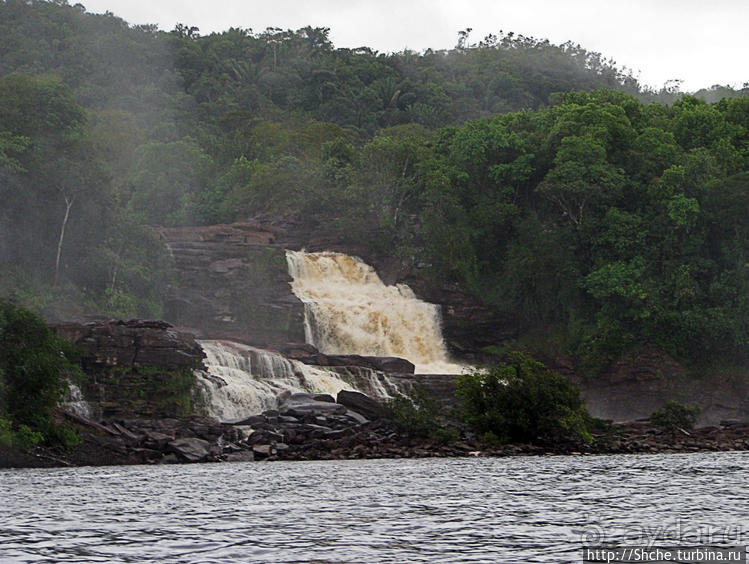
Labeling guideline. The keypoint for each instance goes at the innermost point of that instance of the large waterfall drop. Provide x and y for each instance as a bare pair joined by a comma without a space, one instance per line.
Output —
244,380
348,310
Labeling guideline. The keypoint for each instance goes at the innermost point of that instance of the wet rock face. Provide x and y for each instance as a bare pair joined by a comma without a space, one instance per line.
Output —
132,343
190,449
360,403
633,388
136,368
232,282
303,403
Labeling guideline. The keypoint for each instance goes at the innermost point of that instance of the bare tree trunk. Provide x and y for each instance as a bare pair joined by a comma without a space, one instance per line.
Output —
116,268
68,205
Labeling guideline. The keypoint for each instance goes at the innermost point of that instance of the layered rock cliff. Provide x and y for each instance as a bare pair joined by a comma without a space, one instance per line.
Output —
231,281
136,368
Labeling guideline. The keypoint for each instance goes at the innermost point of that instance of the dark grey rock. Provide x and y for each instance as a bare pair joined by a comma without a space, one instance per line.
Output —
240,456
360,403
359,418
263,451
302,403
190,449
324,397
251,420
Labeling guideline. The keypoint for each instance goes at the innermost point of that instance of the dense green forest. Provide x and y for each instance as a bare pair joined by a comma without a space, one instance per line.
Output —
540,177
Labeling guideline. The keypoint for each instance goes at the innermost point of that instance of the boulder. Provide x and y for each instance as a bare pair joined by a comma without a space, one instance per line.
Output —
251,420
360,403
359,418
308,354
392,364
241,456
263,451
190,449
324,397
302,403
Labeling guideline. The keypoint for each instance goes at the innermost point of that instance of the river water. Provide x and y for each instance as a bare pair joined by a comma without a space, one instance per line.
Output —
524,509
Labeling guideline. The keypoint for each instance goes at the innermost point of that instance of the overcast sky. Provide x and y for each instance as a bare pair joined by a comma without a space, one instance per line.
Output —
700,42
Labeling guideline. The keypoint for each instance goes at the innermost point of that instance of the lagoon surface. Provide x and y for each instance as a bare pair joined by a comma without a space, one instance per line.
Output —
525,509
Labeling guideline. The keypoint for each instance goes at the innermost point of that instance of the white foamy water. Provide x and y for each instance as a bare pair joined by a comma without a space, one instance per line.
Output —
348,310
244,380
75,402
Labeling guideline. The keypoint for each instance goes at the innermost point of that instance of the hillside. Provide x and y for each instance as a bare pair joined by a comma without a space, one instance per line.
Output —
540,179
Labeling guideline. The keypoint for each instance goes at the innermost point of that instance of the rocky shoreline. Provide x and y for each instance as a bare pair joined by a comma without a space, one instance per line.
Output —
145,410
307,427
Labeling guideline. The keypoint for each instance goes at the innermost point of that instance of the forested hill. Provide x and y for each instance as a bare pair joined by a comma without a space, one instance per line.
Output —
111,65
539,177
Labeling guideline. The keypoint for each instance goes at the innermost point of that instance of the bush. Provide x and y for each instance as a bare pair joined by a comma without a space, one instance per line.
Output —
673,416
22,438
34,363
6,433
418,416
64,437
522,401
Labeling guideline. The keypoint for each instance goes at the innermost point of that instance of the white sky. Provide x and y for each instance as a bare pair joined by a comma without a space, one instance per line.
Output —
700,42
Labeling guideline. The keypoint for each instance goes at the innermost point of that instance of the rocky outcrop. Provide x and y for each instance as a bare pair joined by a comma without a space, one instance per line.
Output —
634,387
312,427
360,403
133,343
642,437
232,282
144,441
136,368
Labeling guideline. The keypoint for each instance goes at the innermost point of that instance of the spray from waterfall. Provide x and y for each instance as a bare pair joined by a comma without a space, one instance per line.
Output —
348,310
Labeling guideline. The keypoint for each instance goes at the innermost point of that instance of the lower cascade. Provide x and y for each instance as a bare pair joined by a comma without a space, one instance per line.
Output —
349,310
244,380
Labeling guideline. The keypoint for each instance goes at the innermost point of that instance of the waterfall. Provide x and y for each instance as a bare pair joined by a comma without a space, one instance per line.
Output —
244,380
348,310
75,402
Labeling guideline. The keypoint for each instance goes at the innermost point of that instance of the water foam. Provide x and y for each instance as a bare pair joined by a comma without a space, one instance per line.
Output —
348,310
244,380
75,402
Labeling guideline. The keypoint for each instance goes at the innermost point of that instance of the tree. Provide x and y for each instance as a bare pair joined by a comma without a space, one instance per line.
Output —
34,364
523,401
163,176
674,416
581,176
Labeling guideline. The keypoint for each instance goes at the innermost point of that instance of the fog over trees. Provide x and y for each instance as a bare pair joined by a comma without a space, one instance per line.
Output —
540,177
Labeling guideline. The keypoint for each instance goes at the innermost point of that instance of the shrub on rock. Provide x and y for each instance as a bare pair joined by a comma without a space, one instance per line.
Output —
522,401
34,365
673,416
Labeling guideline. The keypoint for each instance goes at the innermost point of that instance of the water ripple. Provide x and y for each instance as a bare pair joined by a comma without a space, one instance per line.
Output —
529,509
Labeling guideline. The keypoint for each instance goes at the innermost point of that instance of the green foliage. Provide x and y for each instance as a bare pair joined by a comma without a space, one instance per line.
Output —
523,401
24,438
530,174
163,177
34,366
63,437
6,432
418,415
673,416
